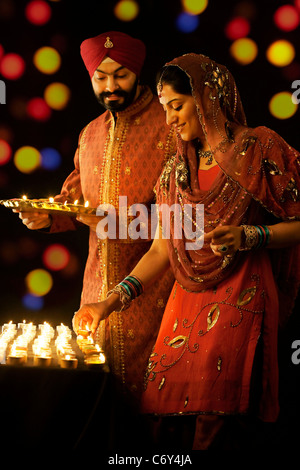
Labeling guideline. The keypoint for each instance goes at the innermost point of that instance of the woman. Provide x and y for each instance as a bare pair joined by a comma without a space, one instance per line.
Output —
219,330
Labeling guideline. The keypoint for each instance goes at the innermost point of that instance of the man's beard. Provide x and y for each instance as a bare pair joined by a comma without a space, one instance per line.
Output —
115,105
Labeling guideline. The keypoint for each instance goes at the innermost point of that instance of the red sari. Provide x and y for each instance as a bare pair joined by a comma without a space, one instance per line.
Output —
207,342
222,308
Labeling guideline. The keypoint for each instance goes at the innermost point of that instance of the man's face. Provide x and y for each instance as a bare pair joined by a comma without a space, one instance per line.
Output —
115,86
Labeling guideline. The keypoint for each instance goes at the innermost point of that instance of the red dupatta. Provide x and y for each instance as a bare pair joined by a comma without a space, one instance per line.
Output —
259,181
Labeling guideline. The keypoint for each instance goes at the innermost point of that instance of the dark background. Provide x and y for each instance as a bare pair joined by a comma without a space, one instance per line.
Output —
71,22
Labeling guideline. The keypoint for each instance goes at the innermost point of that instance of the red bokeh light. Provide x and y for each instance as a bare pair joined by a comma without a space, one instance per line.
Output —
38,12
38,109
1,51
5,152
56,257
12,66
237,28
287,18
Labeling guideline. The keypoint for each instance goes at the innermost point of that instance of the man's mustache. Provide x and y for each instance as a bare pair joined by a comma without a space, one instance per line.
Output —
107,94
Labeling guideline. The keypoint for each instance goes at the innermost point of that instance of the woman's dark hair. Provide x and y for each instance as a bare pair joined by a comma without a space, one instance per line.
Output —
176,78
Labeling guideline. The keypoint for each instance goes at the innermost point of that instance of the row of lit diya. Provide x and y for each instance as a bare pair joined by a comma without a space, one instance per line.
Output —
49,204
92,352
17,340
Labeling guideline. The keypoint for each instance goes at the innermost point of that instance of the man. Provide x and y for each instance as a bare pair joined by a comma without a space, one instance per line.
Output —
120,153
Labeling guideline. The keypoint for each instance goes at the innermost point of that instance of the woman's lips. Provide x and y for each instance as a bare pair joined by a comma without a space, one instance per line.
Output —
179,128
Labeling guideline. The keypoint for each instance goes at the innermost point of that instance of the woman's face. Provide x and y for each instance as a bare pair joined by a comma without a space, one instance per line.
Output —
181,113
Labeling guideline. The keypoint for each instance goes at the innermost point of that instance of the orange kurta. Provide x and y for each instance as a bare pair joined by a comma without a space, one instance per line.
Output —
121,157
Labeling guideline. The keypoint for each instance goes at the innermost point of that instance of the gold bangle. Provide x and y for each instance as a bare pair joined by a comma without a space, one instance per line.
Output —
249,238
124,297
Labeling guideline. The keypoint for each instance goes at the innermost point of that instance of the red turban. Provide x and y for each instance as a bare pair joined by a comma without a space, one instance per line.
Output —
120,47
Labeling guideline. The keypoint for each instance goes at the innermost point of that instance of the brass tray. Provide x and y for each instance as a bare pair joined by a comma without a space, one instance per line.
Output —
48,205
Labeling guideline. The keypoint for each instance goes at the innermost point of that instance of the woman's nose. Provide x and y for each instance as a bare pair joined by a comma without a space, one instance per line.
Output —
170,118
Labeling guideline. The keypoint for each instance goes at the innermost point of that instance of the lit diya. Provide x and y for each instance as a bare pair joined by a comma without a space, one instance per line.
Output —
49,205
68,362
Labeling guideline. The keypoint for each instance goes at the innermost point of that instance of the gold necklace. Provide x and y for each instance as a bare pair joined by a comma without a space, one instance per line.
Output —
205,154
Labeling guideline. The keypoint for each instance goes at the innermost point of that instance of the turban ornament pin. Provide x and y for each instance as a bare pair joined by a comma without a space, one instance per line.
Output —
108,44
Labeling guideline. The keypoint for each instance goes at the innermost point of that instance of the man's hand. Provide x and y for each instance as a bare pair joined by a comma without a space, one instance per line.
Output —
34,220
90,220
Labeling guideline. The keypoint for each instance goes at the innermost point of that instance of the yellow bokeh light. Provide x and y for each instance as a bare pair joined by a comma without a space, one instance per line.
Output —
27,159
57,95
126,10
39,282
47,60
282,106
280,53
194,7
244,50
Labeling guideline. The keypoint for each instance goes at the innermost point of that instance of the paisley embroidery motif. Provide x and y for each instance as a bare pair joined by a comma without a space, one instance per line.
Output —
178,342
292,190
272,167
213,316
242,301
247,142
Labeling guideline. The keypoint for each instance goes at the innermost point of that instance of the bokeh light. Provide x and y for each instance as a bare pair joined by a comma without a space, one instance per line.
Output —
287,18
72,269
47,60
56,257
194,7
38,12
8,252
33,302
1,51
281,53
39,282
282,106
244,50
12,66
18,107
38,109
5,152
187,23
50,158
27,159
6,133
57,95
126,10
292,71
237,28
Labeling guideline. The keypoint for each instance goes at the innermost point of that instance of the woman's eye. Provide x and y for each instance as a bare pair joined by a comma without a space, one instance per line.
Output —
178,108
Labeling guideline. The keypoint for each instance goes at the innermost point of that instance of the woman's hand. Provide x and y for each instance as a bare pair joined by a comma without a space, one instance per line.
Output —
224,240
91,315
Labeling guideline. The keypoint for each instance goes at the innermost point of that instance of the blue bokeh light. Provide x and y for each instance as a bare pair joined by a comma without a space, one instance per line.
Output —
187,23
33,302
51,158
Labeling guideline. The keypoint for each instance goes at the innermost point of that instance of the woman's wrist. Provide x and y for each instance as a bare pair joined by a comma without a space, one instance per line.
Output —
255,236
126,291
113,302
